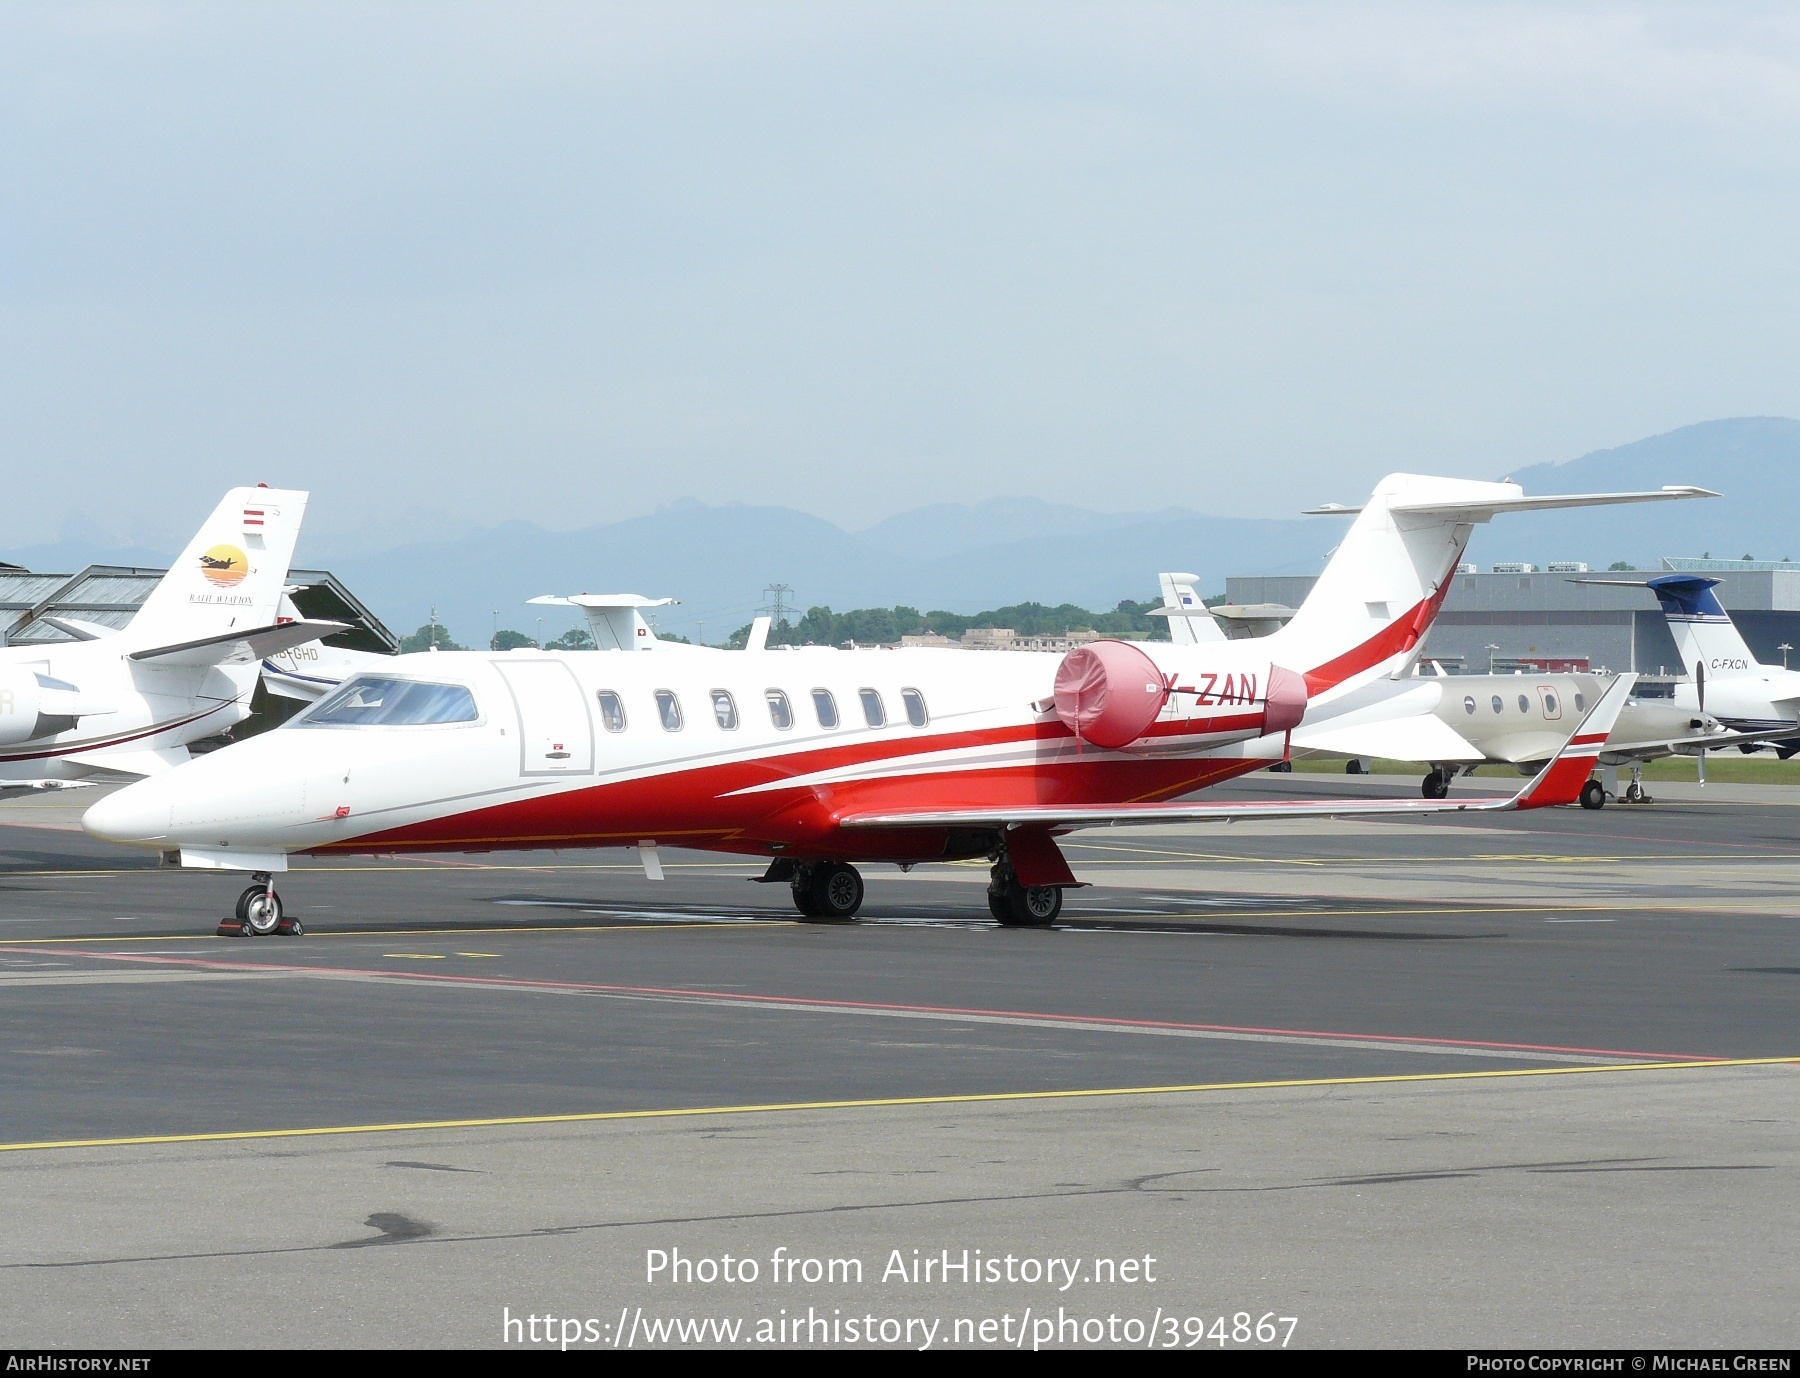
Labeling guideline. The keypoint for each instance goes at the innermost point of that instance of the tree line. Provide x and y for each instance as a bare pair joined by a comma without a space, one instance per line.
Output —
820,626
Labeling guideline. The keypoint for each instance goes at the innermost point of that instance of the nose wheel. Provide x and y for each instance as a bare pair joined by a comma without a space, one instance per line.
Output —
259,913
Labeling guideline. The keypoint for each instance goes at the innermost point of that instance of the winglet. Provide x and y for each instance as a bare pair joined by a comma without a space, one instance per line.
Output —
1561,779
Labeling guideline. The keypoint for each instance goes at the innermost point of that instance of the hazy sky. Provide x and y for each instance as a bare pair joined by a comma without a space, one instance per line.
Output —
446,264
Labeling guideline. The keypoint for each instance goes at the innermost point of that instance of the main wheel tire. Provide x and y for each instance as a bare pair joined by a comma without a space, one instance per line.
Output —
1354,766
997,907
1593,795
803,900
262,913
1435,785
836,891
244,899
1032,906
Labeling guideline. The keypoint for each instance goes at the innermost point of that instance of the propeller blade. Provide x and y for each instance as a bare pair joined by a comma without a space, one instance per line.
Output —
1702,767
1700,693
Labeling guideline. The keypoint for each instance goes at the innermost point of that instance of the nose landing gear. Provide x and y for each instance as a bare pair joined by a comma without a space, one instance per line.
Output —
259,913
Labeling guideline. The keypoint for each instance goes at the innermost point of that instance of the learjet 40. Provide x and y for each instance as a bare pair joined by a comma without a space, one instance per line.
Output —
820,758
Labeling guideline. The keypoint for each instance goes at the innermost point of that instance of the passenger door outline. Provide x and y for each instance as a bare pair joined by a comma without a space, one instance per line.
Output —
556,735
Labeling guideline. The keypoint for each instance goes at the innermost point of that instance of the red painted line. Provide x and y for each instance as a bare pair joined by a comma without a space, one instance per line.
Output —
103,743
740,998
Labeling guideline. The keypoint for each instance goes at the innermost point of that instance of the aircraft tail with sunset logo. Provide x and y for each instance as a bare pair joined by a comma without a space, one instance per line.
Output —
183,669
231,575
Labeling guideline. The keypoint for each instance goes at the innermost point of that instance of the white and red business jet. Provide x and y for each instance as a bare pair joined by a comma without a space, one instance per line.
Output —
818,758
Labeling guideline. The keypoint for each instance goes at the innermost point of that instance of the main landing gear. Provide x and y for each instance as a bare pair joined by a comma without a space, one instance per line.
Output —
259,913
827,889
1021,906
834,890
1435,785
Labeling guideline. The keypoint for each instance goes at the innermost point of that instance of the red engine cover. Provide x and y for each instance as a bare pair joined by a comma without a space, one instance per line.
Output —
1109,693
1284,701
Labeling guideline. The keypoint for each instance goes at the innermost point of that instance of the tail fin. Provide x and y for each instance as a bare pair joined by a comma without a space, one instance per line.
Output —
1704,633
1189,621
231,576
1368,614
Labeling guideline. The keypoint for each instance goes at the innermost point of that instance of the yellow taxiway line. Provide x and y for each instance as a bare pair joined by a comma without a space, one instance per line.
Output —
983,1098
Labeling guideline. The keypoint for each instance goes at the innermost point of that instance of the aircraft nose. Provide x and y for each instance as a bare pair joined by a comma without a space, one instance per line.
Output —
136,815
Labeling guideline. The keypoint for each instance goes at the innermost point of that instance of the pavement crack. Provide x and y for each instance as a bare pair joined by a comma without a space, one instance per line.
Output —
429,1167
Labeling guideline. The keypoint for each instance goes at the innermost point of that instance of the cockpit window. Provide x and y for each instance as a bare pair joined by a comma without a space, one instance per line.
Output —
371,701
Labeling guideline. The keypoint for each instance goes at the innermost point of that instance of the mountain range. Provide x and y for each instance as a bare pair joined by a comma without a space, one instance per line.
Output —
963,557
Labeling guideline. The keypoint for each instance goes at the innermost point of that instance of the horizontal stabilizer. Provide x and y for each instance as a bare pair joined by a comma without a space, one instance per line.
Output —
1425,737
614,619
75,627
135,764
241,648
602,600
1485,508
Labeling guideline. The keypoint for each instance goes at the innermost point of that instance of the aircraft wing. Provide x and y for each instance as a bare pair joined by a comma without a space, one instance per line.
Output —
1644,751
1559,782
240,648
1422,737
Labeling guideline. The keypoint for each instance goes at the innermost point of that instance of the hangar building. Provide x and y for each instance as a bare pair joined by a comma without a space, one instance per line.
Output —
108,596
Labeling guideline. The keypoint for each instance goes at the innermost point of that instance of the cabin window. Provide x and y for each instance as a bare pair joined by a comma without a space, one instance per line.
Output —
915,707
1580,702
781,712
376,701
668,708
874,711
612,711
1499,707
1551,710
826,707
1468,703
724,710
1524,704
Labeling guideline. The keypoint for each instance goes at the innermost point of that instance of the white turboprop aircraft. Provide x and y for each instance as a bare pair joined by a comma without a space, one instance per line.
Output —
818,758
127,703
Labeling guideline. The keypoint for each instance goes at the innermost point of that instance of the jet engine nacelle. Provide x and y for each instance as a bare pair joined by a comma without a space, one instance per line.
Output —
34,705
1110,693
